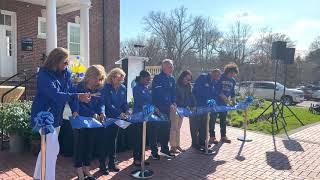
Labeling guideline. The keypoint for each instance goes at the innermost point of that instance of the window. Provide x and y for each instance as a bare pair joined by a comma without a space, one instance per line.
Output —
42,27
5,19
74,38
8,43
264,85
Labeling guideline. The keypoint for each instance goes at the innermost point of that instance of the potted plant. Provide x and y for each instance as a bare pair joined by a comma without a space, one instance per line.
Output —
16,123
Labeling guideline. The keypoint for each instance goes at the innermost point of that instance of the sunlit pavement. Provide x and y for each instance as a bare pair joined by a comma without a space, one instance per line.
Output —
298,158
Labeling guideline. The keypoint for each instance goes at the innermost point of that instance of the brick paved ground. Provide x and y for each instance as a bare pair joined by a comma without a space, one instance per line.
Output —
298,158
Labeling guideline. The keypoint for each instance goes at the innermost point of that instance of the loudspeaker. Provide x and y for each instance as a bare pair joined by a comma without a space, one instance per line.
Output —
289,56
279,50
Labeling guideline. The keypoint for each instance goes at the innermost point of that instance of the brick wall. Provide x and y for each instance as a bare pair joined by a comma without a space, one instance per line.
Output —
27,26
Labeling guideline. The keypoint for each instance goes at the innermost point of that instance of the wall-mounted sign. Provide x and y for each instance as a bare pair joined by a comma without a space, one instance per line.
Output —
27,44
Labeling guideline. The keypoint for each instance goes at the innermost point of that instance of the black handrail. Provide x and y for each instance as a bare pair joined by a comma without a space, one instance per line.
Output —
23,72
6,93
23,82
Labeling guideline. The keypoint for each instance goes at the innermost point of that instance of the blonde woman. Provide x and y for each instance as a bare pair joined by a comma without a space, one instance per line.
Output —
54,90
115,100
92,83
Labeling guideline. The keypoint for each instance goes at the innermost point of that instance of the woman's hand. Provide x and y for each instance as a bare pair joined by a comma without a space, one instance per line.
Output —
84,97
102,117
75,114
173,107
123,116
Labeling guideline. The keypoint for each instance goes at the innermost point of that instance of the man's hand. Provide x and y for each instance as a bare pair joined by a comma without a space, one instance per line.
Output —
157,111
84,97
233,101
193,109
75,114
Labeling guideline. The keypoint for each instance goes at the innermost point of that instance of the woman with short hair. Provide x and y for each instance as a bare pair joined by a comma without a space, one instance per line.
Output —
115,100
92,83
54,90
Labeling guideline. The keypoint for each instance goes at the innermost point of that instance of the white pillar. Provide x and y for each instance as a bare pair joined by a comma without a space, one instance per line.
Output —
84,34
51,36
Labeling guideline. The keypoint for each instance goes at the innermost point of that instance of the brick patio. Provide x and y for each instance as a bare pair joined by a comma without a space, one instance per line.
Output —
298,158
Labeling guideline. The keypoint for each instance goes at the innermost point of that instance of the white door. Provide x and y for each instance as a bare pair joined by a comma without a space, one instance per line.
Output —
8,43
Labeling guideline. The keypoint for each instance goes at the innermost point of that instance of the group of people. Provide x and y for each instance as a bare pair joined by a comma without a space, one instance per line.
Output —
101,95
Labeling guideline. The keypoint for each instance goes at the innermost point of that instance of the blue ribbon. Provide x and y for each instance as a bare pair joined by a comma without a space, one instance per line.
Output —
212,107
146,115
44,120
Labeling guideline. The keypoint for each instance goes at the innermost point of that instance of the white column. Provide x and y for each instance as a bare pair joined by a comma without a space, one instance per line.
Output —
51,36
84,34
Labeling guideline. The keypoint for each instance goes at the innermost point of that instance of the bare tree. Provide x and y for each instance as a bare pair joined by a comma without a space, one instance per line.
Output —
207,41
175,30
263,45
236,43
315,44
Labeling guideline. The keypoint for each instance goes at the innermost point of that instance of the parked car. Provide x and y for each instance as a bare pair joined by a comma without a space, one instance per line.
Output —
265,90
310,91
316,95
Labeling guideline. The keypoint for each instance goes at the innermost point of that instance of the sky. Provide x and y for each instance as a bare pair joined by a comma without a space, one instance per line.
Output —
299,19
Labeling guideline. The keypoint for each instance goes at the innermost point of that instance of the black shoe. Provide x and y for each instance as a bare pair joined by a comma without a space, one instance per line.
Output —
167,154
113,168
103,170
155,156
90,178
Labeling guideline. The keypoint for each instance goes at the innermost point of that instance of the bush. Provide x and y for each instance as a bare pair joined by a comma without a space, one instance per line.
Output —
16,117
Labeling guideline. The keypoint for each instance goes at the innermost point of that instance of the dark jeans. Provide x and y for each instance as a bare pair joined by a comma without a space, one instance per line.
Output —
107,145
135,131
159,131
198,130
83,139
223,123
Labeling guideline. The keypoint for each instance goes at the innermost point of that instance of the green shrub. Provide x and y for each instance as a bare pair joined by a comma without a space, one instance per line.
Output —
16,117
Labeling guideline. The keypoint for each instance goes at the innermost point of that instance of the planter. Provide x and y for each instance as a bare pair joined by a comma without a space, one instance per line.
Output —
16,143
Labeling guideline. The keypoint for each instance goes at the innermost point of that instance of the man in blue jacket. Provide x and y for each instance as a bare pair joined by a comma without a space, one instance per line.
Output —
204,89
164,98
226,96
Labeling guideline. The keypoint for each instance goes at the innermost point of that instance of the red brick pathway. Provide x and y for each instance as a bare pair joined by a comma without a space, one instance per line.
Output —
298,158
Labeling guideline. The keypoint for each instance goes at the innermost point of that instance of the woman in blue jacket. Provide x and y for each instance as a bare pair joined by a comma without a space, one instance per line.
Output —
54,90
84,138
115,100
142,96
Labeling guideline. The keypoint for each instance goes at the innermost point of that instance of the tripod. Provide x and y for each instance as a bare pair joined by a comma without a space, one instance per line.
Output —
278,106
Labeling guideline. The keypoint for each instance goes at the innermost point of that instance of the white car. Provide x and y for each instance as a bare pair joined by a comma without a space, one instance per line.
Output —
265,90
316,95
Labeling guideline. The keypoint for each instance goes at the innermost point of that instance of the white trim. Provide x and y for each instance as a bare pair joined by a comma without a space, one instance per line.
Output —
13,27
70,24
40,34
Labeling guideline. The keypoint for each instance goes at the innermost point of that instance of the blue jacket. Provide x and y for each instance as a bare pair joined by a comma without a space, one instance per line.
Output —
115,100
54,90
142,96
95,106
225,86
204,89
163,92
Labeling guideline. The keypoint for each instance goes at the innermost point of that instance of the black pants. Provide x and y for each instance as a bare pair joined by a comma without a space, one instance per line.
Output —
83,139
200,131
107,145
135,131
159,131
223,123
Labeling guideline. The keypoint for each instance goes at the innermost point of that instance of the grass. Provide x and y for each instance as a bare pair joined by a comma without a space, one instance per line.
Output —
235,118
